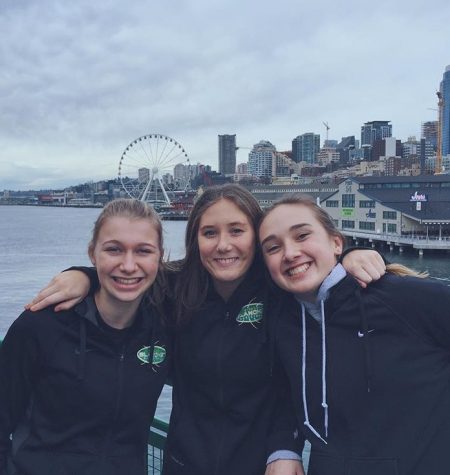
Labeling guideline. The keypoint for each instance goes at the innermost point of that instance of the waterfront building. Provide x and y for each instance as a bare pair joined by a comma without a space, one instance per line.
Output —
268,194
371,134
227,154
379,208
445,91
305,147
260,159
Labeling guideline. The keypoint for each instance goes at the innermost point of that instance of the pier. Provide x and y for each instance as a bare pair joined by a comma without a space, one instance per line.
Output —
421,243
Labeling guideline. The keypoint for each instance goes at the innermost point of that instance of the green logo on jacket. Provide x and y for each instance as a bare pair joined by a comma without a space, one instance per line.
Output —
251,313
159,355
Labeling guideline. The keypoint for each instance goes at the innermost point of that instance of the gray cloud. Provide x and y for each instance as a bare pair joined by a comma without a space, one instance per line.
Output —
81,80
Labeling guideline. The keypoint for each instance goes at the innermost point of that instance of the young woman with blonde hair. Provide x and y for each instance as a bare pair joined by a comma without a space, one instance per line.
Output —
78,391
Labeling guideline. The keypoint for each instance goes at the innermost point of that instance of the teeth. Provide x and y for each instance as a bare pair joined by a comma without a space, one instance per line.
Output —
227,260
127,281
299,269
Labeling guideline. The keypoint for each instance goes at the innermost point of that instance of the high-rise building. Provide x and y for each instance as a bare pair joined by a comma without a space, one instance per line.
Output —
305,147
260,159
143,175
372,132
345,148
411,147
445,91
430,132
227,154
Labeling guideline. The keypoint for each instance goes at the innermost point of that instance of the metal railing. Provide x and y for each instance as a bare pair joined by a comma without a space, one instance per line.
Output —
156,441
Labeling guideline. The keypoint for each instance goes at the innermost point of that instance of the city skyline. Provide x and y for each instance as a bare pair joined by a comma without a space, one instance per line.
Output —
81,81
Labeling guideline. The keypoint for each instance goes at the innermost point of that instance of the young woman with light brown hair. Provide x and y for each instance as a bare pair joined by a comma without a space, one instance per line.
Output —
369,369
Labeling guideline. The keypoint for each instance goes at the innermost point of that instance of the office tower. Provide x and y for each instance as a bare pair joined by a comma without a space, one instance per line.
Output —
345,148
430,132
372,132
411,147
260,159
305,147
227,154
445,115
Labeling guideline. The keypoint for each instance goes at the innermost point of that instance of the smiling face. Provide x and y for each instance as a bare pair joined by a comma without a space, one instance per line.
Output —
126,255
297,250
226,242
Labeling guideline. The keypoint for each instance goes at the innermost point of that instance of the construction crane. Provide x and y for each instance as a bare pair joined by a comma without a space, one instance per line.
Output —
327,127
438,165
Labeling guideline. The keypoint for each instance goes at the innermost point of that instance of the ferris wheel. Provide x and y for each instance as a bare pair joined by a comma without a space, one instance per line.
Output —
145,161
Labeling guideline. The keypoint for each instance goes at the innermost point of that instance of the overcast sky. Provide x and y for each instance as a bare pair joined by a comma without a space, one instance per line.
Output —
81,80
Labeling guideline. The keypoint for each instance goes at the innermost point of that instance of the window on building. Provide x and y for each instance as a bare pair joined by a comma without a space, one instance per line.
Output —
366,226
389,214
348,224
332,204
366,203
348,200
392,228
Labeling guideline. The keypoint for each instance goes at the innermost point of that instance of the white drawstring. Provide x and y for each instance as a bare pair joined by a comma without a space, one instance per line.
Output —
324,403
324,369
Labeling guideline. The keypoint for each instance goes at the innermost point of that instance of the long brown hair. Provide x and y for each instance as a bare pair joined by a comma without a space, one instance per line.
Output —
192,281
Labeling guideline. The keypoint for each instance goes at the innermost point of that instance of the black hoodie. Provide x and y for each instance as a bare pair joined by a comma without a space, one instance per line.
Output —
227,387
76,398
387,377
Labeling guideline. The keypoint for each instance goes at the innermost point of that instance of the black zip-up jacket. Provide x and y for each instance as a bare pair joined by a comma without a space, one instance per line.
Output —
387,377
74,400
226,389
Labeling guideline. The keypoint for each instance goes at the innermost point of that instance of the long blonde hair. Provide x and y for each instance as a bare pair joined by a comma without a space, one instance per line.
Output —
402,271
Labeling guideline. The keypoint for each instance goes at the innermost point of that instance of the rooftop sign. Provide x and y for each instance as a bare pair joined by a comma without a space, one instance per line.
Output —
418,197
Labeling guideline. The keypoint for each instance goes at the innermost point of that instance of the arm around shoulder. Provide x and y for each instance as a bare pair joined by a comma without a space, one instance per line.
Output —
66,289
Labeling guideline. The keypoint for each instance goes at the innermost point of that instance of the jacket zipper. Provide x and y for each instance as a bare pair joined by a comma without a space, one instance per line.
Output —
118,401
221,390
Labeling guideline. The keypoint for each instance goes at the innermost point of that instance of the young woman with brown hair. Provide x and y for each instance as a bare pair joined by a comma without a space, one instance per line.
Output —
369,369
